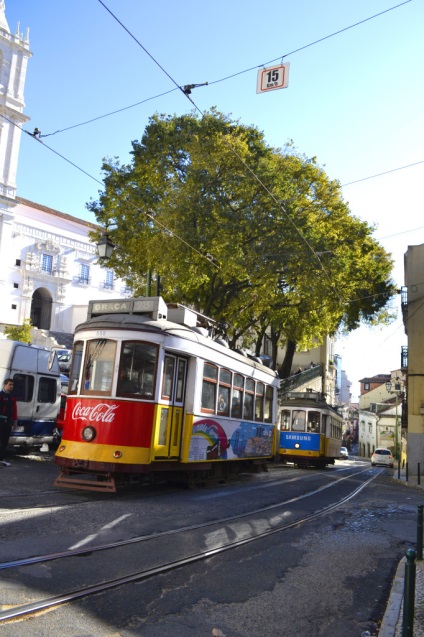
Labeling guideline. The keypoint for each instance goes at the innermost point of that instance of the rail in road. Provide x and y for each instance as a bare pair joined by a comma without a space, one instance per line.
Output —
248,527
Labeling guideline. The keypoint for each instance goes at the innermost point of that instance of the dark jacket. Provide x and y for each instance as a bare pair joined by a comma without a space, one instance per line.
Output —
8,409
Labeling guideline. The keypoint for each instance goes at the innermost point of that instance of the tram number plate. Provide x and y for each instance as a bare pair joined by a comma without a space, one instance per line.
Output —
80,464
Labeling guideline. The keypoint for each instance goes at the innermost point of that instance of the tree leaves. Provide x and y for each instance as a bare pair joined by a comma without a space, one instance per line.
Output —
277,251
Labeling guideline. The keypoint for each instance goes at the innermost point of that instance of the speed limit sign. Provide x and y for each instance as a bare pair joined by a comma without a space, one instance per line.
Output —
272,78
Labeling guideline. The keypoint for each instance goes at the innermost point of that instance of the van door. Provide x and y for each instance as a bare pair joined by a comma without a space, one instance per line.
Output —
46,406
37,398
170,416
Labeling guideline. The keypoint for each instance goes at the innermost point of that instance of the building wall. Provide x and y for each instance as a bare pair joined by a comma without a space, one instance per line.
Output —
48,253
414,327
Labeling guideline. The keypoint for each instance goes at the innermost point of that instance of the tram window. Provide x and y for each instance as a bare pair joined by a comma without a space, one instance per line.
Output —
224,392
168,378
98,371
299,420
209,386
249,396
324,423
269,393
259,402
237,396
181,375
313,421
137,369
47,390
75,367
285,420
23,387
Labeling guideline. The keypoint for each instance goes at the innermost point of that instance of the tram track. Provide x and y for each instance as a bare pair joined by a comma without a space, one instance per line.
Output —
143,538
21,611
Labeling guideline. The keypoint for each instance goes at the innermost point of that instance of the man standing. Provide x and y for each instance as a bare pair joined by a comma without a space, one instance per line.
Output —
8,417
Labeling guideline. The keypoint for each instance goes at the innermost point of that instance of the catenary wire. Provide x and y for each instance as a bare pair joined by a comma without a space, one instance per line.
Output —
119,110
326,37
386,172
177,87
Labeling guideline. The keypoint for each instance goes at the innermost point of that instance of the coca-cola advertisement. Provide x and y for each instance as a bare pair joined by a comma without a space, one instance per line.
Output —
116,422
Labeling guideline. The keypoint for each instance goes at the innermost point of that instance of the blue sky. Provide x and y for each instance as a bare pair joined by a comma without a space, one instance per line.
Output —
355,101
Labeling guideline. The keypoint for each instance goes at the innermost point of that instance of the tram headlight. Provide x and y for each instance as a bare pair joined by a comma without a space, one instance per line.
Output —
297,445
89,433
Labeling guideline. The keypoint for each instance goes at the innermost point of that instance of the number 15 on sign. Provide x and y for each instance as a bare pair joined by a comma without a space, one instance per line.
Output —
272,78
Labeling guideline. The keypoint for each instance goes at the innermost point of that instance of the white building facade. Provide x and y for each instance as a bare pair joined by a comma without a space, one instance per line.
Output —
48,265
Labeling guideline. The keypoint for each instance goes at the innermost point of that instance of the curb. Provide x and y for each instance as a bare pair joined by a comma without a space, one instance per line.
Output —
394,605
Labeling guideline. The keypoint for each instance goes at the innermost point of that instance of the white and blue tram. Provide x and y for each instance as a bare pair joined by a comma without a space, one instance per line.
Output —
310,430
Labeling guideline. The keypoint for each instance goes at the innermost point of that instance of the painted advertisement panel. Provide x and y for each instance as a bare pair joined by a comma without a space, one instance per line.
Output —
218,439
299,440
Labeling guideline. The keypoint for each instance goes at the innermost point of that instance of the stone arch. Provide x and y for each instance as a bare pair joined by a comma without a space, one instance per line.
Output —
41,309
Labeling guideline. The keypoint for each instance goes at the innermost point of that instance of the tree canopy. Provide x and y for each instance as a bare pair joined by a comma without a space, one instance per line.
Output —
257,237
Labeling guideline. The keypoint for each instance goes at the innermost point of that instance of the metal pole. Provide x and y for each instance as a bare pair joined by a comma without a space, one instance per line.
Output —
419,473
409,595
396,429
406,472
149,283
420,532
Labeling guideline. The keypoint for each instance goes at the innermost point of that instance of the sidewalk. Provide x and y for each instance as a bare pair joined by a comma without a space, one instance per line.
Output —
391,626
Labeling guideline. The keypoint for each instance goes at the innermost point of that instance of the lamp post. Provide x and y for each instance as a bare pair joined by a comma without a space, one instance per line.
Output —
395,388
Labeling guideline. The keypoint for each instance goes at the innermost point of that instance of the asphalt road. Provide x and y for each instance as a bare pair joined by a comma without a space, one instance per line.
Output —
327,577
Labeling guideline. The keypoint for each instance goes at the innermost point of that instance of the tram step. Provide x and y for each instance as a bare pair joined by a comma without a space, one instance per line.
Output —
74,480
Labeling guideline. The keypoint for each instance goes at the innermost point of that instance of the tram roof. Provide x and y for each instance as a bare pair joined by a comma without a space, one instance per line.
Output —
144,323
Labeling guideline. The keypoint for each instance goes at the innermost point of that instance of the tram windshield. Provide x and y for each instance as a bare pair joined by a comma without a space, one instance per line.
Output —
298,420
98,367
137,369
313,421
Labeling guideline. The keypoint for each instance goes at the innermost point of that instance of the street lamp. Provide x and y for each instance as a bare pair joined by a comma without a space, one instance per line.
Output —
395,388
105,247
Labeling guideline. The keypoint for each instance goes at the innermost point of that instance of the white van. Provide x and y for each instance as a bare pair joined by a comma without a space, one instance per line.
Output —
36,377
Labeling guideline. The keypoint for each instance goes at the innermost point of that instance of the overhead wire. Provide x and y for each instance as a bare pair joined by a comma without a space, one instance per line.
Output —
386,172
228,77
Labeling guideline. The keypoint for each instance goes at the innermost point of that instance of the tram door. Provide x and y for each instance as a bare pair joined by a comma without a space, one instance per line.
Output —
169,423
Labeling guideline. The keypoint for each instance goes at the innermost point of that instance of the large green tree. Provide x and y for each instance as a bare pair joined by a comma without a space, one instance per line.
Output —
251,235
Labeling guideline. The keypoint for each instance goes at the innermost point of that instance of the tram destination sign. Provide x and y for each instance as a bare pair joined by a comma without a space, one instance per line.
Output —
272,78
153,306
109,307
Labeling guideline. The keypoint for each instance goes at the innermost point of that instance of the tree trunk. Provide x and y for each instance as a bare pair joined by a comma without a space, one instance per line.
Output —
285,369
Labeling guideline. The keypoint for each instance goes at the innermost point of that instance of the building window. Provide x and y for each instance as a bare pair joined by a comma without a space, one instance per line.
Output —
370,428
84,273
16,285
366,386
13,306
18,262
109,280
47,263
